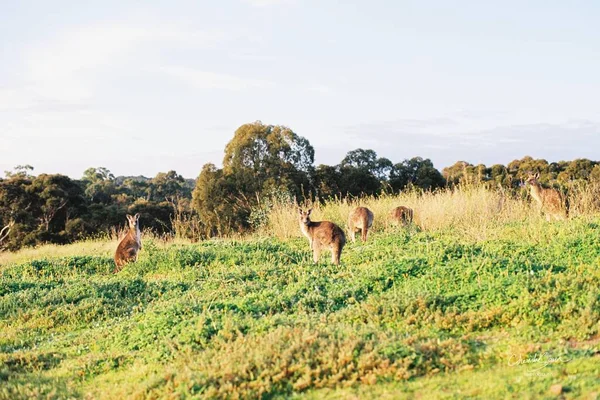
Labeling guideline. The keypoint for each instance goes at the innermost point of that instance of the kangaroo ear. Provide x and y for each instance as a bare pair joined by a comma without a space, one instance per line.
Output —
537,175
309,211
136,216
299,211
128,216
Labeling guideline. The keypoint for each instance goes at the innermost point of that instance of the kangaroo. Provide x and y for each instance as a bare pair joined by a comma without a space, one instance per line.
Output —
130,245
322,234
361,219
402,215
550,201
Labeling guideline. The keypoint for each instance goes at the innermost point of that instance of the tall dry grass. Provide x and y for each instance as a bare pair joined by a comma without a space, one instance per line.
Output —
95,247
473,210
103,244
584,199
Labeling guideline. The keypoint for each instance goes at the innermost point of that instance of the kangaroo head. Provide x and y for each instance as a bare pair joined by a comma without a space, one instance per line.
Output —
533,179
134,221
304,216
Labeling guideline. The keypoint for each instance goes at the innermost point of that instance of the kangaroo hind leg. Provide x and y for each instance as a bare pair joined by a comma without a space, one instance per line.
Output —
316,252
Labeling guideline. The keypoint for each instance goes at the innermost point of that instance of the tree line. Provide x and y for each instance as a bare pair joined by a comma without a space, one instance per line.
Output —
261,163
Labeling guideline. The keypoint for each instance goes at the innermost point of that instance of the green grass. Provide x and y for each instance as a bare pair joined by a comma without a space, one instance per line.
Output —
408,314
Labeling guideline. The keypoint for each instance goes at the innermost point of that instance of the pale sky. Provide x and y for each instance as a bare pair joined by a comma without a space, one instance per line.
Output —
144,87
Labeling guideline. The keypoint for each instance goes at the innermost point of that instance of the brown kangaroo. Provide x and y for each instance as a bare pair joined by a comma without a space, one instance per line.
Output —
361,219
130,245
402,215
322,234
550,201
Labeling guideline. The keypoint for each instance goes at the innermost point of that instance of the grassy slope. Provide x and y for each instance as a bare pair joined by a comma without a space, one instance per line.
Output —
424,314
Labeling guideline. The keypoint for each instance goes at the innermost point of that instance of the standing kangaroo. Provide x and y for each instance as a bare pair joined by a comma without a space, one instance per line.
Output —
130,245
549,201
322,234
361,219
402,215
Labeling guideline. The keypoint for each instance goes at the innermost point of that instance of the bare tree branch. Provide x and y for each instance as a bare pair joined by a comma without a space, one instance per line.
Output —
5,231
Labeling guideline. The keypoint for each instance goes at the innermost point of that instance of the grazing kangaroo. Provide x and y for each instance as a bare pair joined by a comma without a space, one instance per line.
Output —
322,234
130,245
361,219
402,215
549,201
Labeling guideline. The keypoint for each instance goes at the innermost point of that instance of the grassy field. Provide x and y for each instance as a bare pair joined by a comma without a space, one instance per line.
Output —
470,308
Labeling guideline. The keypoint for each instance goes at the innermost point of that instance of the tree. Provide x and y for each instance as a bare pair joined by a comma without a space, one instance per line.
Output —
358,182
16,217
360,158
21,171
416,172
259,160
367,160
360,172
137,188
456,172
220,206
577,170
383,169
520,169
269,157
477,174
500,176
15,199
99,174
155,216
5,233
168,185
99,185
341,181
58,199
328,182
595,174
40,209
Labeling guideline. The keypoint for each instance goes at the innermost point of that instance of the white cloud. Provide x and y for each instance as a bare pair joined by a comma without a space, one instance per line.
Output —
211,80
267,3
59,69
16,99
87,47
66,68
320,89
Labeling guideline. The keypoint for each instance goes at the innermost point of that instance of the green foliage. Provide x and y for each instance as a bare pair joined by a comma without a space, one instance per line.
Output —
355,182
408,310
56,195
259,214
368,162
56,209
269,157
39,209
215,201
20,171
168,186
577,170
99,184
415,172
563,175
360,173
260,160
328,182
